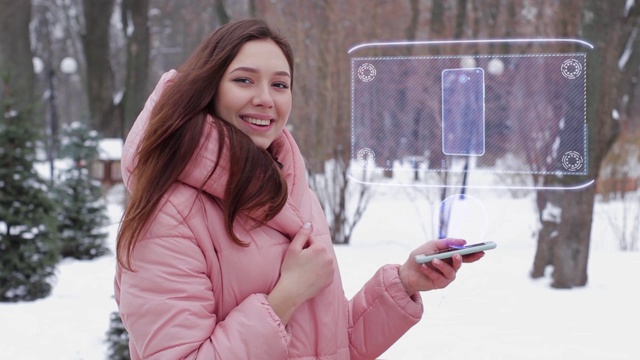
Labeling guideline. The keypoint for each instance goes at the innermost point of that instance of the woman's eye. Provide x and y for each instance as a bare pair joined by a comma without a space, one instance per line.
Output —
281,85
242,80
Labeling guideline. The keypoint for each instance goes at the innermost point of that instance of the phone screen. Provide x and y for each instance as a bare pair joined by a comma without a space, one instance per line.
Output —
463,130
454,248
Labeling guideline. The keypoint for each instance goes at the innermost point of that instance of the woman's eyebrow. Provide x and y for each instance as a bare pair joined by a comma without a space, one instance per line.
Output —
255,71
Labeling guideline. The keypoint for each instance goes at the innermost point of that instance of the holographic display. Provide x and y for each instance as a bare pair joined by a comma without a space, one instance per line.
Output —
513,108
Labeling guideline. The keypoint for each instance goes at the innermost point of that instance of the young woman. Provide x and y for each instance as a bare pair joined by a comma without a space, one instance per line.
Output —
224,251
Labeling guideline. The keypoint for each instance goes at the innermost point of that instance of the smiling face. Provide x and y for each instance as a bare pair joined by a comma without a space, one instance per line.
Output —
255,92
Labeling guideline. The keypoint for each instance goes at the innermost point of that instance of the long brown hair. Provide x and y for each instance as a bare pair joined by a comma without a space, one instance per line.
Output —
255,185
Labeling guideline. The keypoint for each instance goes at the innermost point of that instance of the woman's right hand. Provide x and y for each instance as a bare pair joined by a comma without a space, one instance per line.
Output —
308,268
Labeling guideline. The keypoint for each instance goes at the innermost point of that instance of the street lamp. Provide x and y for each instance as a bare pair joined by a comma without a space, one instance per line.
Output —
68,66
39,68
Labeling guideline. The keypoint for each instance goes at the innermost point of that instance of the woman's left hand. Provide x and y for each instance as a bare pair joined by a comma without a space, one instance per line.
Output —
438,273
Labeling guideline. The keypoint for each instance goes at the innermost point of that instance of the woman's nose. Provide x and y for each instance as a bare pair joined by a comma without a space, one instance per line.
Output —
263,97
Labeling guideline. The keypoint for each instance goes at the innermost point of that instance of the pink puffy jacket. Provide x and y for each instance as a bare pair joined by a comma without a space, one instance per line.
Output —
194,294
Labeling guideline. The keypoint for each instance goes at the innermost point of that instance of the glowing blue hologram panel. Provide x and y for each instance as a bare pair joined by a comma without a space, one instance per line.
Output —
514,112
463,112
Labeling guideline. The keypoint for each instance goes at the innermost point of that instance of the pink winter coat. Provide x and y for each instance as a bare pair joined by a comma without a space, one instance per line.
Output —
195,294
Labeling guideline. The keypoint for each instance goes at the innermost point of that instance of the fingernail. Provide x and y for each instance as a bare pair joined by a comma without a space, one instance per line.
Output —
306,225
454,243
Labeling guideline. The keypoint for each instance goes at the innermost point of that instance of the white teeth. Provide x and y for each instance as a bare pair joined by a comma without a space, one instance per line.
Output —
255,121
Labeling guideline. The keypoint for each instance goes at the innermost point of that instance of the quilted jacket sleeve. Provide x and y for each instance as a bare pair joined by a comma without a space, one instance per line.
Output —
167,303
380,313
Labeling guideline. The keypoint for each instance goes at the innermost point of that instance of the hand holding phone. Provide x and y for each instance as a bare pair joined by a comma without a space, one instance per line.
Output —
462,250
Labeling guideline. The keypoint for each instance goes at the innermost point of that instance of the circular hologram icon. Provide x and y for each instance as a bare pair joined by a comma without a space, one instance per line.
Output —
461,217
571,69
367,72
572,161
366,157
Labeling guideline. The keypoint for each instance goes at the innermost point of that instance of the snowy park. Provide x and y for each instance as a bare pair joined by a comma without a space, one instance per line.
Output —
514,122
493,310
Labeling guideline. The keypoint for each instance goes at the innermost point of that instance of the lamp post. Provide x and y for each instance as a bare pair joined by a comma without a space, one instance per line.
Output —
49,95
53,121
68,66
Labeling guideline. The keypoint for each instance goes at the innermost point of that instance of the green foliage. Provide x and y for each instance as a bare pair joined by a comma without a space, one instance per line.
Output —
117,339
83,215
28,244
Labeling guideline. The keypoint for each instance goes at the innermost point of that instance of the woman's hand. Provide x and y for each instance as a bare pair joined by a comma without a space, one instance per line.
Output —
438,273
307,269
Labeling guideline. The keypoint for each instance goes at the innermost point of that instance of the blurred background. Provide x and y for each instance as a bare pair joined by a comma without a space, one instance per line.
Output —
74,75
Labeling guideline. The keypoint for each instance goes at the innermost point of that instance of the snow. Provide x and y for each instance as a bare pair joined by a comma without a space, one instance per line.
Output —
552,213
38,65
117,98
627,6
493,310
131,26
59,165
110,149
628,49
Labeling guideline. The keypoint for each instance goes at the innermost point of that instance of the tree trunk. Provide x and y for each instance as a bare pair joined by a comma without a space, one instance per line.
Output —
100,76
15,51
607,29
223,16
571,253
547,234
253,12
138,46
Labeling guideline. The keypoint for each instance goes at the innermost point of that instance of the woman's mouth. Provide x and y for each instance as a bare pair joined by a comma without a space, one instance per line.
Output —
254,121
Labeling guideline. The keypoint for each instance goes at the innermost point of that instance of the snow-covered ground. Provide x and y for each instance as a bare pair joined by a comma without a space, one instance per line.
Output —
492,311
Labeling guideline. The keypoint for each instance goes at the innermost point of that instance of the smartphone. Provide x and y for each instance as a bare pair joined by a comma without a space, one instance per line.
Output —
463,123
463,250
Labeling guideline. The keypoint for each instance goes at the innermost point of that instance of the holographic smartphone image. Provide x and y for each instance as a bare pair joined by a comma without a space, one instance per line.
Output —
463,120
467,107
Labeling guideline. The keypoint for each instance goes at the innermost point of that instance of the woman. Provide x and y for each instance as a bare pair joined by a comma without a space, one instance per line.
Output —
224,251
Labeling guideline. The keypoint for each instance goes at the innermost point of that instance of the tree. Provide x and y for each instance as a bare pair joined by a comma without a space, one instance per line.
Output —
100,76
563,242
15,50
117,339
221,12
136,31
28,245
618,183
82,215
321,124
